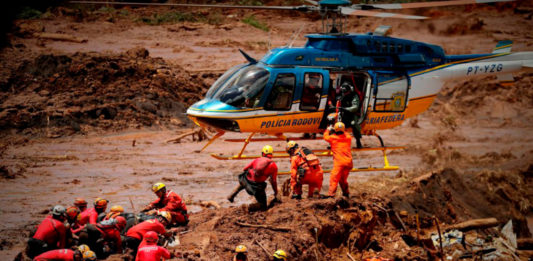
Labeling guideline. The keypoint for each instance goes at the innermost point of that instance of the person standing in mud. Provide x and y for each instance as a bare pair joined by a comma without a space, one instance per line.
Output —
254,176
305,169
341,147
168,201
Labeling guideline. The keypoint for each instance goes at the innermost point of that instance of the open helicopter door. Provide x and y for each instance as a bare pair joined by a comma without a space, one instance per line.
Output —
391,91
361,82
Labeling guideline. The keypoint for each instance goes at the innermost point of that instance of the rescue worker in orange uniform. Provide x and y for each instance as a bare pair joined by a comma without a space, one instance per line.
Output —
305,169
150,251
168,201
341,147
254,176
51,233
90,215
60,254
240,253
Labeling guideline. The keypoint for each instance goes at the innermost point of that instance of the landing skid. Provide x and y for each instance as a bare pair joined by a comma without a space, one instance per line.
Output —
282,154
319,152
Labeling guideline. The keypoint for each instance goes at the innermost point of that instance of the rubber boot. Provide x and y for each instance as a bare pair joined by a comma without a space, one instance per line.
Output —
358,142
234,193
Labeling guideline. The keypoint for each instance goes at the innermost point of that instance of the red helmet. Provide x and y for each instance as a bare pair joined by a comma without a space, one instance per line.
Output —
151,237
80,202
72,212
121,222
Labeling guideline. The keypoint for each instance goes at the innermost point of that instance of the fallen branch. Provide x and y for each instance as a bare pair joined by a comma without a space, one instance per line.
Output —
259,244
283,229
350,256
60,37
401,221
474,224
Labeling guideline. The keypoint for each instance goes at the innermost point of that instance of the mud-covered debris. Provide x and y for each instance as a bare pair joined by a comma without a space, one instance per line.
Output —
57,95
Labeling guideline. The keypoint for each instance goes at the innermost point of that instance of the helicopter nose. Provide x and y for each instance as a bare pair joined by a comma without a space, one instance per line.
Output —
214,114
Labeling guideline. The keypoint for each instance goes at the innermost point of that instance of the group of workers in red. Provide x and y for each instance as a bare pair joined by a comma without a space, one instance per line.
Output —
305,169
94,233
80,233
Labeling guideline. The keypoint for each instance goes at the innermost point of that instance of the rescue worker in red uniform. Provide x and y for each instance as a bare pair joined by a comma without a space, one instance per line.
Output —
60,255
168,201
81,204
91,215
104,237
305,169
135,234
51,233
341,147
72,214
114,212
254,176
150,251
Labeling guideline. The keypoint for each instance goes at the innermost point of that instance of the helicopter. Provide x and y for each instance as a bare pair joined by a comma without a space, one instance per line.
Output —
294,89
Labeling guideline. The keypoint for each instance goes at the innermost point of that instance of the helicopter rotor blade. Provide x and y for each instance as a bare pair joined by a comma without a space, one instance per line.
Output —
428,4
303,8
351,11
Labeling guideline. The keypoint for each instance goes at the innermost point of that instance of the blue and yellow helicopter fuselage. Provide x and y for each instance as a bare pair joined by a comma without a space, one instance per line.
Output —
396,78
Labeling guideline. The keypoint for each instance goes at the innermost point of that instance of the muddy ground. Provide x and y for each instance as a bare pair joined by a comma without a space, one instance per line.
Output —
92,118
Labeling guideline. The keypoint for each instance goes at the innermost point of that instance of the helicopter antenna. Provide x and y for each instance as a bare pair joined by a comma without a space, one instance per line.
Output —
248,57
296,35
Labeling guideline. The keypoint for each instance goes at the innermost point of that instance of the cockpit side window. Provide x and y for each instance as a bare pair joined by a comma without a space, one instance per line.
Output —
311,92
282,93
245,88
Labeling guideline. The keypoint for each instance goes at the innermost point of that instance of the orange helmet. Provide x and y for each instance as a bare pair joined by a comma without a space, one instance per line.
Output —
117,208
72,212
80,202
121,222
100,203
151,237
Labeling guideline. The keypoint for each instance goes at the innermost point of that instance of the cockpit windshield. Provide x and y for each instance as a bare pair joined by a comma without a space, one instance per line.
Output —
244,88
220,81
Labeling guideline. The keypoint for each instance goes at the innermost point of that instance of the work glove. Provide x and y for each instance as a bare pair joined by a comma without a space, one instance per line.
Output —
332,116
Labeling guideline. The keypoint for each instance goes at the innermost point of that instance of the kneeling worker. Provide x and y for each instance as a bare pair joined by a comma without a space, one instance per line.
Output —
254,176
168,201
305,169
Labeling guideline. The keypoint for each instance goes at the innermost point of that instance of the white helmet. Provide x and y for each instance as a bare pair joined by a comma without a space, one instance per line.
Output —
58,210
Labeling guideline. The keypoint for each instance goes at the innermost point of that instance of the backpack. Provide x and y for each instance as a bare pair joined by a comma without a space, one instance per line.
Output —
310,161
